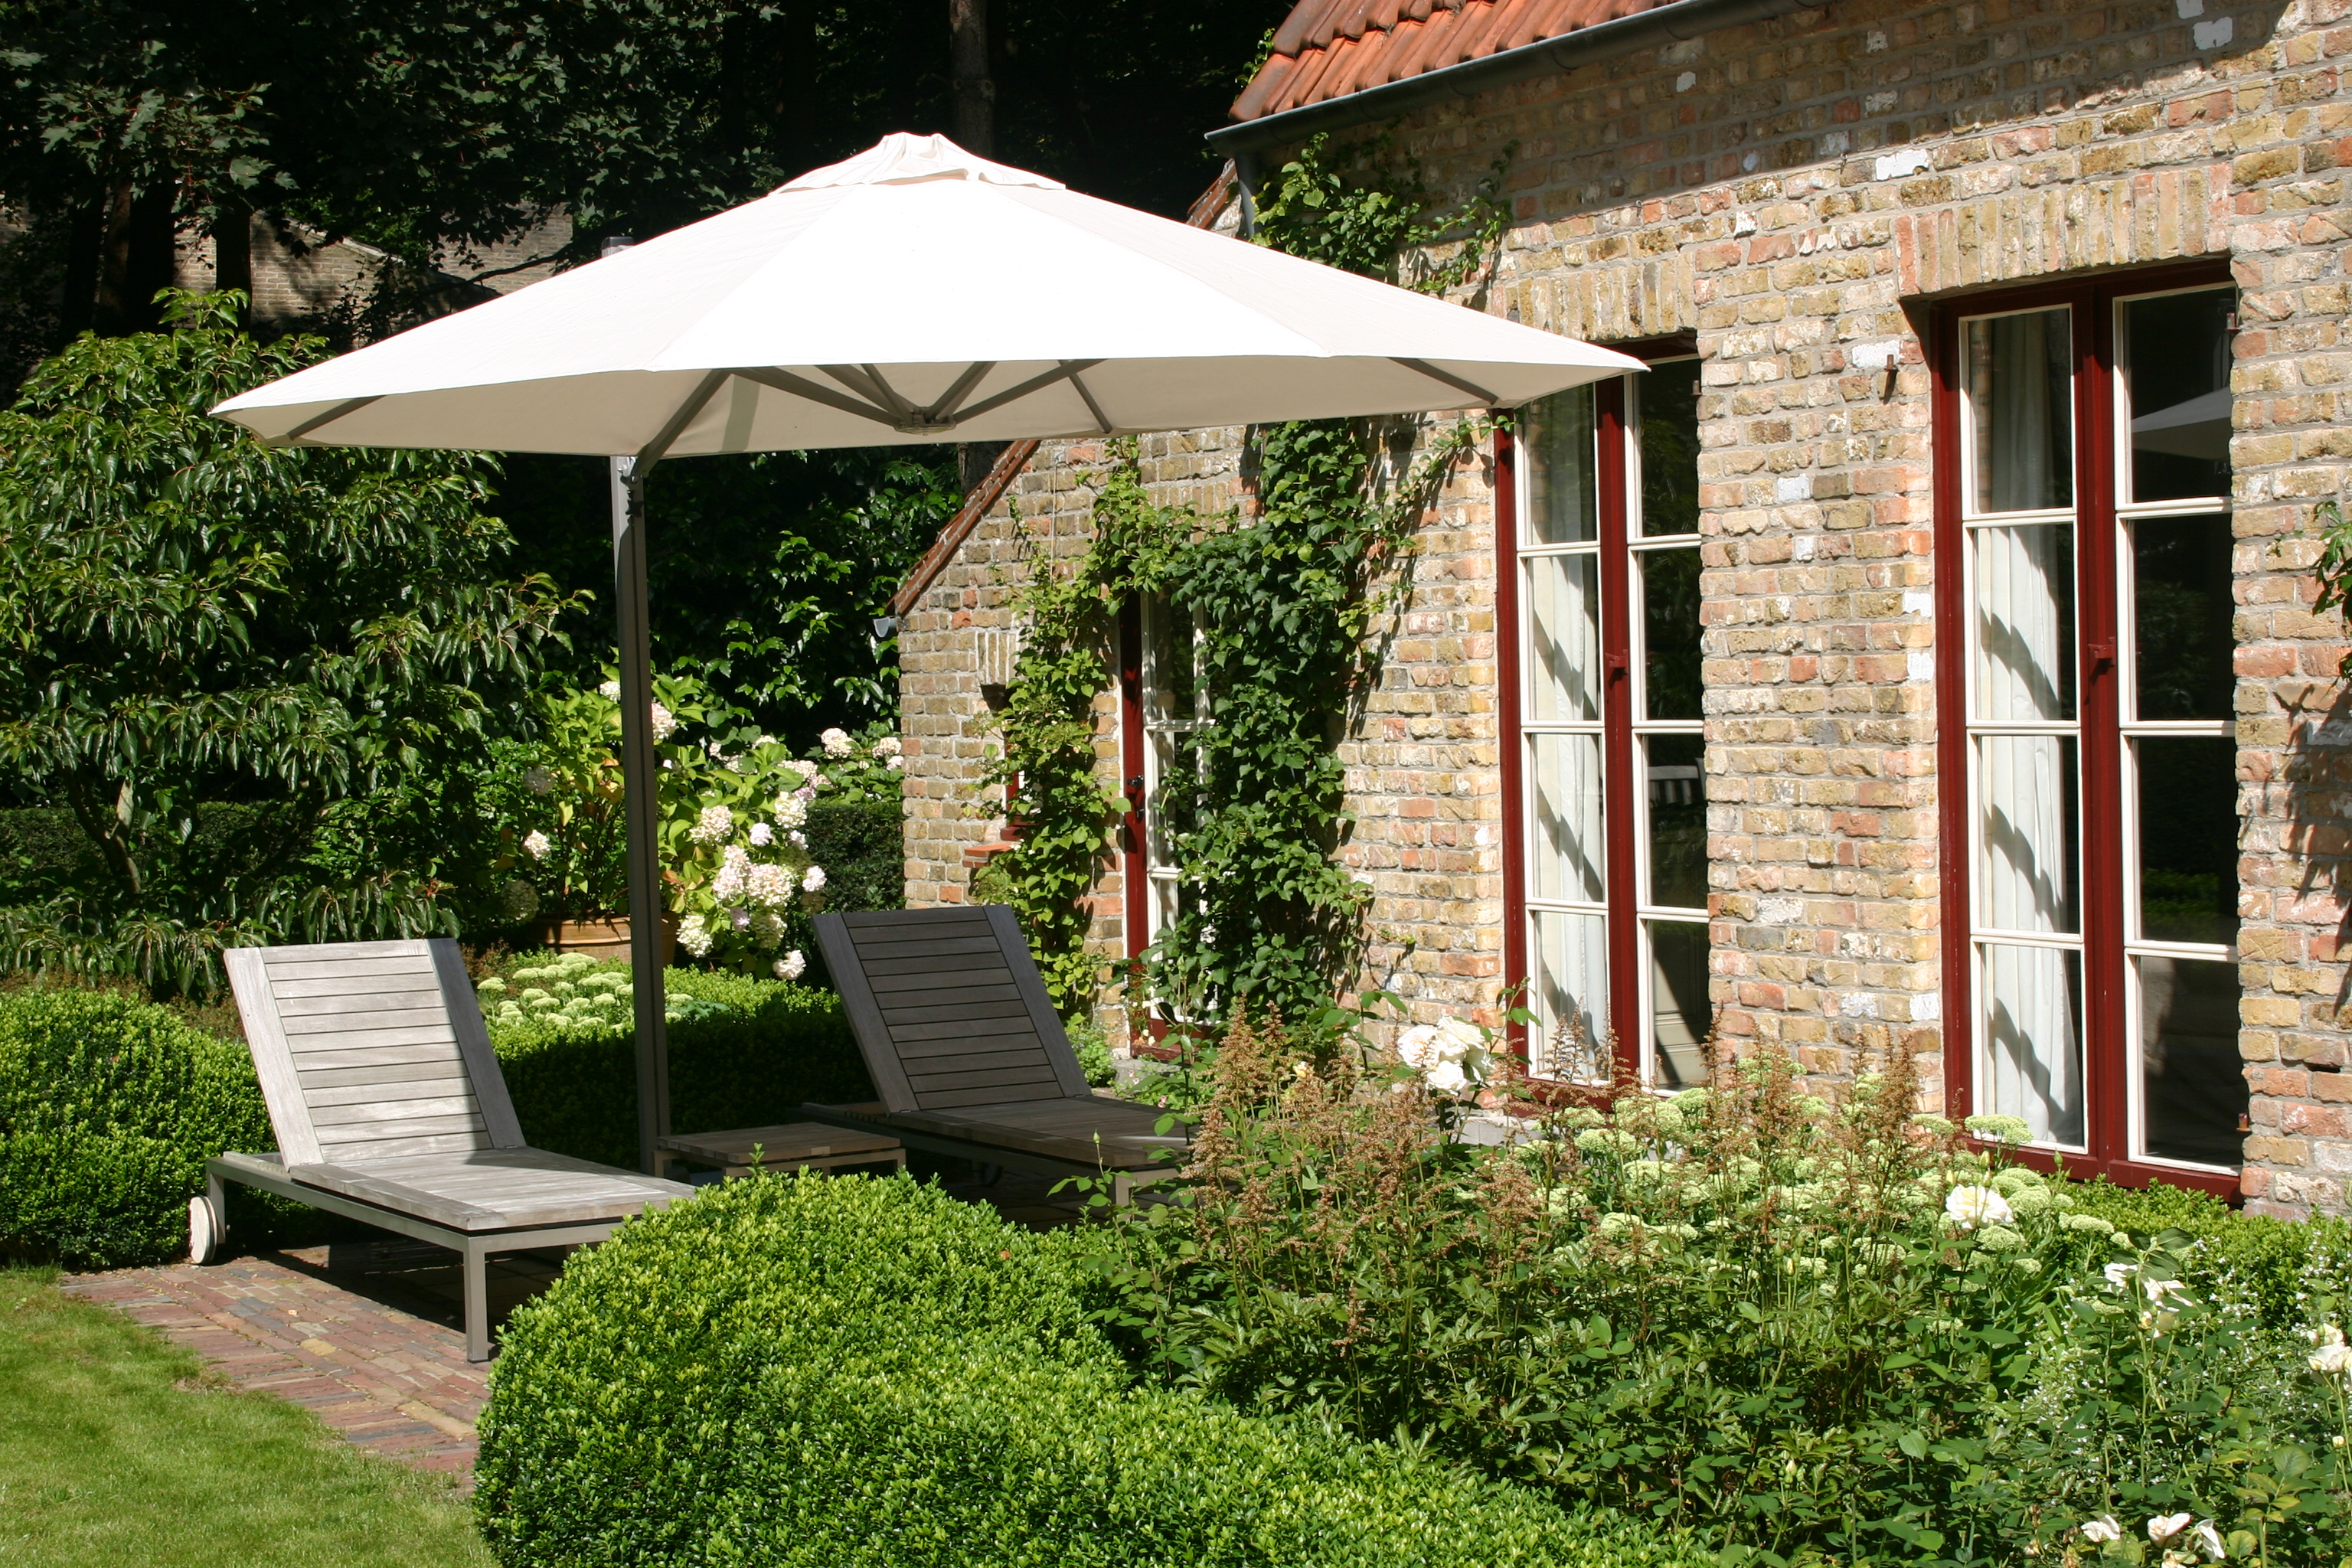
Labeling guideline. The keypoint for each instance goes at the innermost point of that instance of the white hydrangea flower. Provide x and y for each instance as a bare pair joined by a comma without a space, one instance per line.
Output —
895,763
694,936
741,919
771,887
889,746
734,874
536,843
800,840
818,782
792,966
610,691
836,743
665,723
1971,1207
539,780
714,824
762,835
790,811
813,879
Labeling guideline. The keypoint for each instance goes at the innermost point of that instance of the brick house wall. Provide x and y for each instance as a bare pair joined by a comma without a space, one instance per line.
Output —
1793,194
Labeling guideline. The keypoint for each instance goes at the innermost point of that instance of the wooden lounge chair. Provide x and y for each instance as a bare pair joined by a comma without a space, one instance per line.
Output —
390,1109
968,1054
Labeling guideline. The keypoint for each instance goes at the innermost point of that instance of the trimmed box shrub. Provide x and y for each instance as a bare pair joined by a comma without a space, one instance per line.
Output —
110,1105
850,1373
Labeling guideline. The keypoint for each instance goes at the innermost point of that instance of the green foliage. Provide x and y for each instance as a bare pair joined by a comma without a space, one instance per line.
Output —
109,1107
1281,606
1806,1330
120,1446
851,1373
188,617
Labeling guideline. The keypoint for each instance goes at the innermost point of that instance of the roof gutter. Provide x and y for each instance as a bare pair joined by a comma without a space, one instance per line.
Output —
1677,22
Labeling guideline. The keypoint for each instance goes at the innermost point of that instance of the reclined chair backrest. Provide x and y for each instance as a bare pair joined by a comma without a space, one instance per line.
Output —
371,1050
949,1007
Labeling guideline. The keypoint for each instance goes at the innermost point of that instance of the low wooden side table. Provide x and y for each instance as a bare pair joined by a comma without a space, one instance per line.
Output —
793,1146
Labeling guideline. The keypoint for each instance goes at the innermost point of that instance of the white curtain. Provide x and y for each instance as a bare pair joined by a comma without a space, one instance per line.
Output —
1570,983
1561,479
1564,637
2025,874
1569,850
2018,379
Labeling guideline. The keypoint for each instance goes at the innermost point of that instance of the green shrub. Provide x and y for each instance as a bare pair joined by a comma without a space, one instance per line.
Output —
861,845
2281,1267
841,1373
109,1108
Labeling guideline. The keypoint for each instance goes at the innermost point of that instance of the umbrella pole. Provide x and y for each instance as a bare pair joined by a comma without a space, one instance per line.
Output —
640,782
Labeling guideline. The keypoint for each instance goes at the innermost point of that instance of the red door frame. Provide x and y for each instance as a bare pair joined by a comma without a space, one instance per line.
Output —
2098,703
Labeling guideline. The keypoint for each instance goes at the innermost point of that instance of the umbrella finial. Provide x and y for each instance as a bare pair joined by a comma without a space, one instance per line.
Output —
902,159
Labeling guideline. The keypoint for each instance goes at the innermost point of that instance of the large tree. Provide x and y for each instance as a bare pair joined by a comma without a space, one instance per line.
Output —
192,622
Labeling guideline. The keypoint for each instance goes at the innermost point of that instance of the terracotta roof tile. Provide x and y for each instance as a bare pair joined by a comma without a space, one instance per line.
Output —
1329,48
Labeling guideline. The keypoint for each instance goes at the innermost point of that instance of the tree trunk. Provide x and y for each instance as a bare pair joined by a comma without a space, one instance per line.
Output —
139,258
974,90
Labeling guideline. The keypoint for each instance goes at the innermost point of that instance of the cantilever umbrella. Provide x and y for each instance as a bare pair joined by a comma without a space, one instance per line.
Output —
913,294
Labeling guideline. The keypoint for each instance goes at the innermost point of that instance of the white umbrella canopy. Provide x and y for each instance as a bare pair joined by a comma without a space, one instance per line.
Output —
910,295
914,294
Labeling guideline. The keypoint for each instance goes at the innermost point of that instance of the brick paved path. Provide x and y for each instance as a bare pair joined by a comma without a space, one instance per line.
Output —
367,1335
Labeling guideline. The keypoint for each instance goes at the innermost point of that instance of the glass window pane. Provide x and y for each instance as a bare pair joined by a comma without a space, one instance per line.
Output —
1563,637
2026,871
1670,632
1566,848
1169,657
1668,399
1677,809
2188,838
2182,614
1681,1018
1167,894
2019,382
1174,785
1569,957
2176,352
2025,621
2192,1084
2034,1040
1557,435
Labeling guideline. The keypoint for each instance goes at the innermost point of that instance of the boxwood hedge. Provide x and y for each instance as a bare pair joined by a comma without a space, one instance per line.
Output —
850,1373
109,1107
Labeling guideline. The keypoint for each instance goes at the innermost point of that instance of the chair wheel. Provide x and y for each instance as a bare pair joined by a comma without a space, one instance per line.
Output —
205,1230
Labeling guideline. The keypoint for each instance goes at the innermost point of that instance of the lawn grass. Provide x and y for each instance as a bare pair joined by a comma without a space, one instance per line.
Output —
116,1447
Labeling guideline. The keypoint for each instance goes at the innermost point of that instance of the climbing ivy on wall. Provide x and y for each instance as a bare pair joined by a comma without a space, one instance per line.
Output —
1282,604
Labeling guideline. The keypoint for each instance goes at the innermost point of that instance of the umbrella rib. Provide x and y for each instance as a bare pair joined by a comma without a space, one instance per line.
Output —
1062,372
1092,406
319,421
867,382
1423,367
944,409
654,450
785,381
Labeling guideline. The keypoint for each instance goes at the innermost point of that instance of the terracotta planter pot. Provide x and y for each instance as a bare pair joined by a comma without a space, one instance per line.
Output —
603,938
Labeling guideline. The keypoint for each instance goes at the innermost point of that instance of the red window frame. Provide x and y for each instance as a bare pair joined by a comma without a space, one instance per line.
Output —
1617,747
2106,1051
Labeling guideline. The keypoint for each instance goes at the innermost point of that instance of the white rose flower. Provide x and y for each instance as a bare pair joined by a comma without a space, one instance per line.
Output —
792,966
813,879
537,845
1969,1207
714,824
2332,1360
2102,1528
610,691
2119,1275
539,780
1458,1041
1447,1078
836,743
2164,1526
762,835
2209,1539
665,723
1418,1046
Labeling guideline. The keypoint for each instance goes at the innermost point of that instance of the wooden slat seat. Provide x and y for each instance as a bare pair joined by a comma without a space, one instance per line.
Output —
389,1107
967,1052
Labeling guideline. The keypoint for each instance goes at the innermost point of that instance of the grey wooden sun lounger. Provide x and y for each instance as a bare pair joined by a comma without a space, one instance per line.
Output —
968,1054
390,1109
